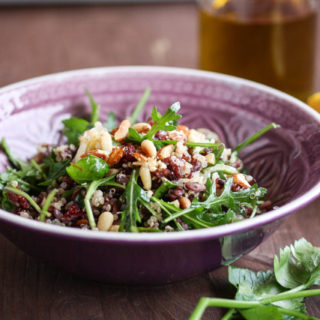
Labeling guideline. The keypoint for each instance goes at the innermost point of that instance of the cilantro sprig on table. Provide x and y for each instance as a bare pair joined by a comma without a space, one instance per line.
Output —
277,294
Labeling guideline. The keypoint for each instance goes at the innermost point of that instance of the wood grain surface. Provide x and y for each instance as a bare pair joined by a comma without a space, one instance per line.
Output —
41,40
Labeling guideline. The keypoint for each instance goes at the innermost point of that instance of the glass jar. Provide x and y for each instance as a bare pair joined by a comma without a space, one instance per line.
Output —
269,41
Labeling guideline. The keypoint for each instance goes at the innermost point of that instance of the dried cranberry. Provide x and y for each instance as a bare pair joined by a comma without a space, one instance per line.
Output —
235,187
195,186
247,210
161,135
161,173
74,212
176,168
122,178
128,153
183,225
196,165
176,193
206,151
18,200
220,183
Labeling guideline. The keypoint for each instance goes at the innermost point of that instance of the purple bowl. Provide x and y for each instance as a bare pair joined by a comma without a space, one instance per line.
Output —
286,161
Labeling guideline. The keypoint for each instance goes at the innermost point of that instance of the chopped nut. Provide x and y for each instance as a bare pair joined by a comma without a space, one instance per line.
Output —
123,130
149,148
142,127
184,203
165,152
196,136
211,159
115,156
240,179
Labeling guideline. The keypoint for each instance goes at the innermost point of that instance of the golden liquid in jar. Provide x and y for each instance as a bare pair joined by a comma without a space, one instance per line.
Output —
279,53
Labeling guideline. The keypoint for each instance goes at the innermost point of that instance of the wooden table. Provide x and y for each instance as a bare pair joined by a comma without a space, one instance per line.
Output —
41,40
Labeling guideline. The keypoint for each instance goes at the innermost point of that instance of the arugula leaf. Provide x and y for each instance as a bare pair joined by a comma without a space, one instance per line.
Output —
74,129
256,136
133,192
213,203
133,118
165,122
111,121
94,109
298,265
55,170
16,162
164,188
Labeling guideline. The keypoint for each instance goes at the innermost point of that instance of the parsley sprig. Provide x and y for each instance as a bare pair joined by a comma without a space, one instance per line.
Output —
277,294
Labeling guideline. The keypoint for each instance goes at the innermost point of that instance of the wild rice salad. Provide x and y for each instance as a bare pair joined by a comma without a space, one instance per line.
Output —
153,176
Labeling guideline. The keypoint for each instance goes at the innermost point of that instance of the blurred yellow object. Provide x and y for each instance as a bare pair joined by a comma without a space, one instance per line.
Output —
314,101
217,4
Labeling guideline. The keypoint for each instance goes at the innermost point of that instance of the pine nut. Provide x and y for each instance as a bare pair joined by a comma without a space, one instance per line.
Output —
123,130
114,228
211,159
105,221
149,148
142,127
145,176
240,179
165,152
184,203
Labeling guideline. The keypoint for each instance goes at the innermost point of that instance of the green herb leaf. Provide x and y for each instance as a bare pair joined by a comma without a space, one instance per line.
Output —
16,162
298,265
130,216
163,189
256,136
94,117
165,122
55,170
74,129
133,118
111,121
88,169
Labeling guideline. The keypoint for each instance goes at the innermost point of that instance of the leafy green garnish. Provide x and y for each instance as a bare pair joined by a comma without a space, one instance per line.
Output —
133,118
265,294
167,122
130,216
214,202
164,188
15,161
111,121
55,169
88,169
256,136
94,117
75,127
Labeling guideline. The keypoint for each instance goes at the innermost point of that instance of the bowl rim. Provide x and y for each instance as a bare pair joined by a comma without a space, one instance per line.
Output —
189,235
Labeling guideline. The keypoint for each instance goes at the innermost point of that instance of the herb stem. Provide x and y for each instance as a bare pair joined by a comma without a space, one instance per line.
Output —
256,136
229,314
220,302
291,295
37,167
298,315
46,205
94,185
12,158
133,118
25,195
